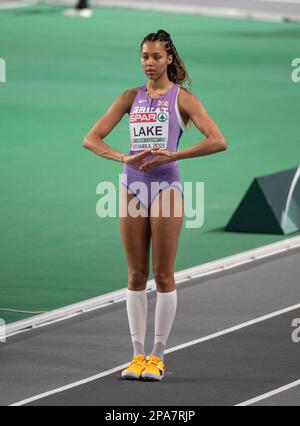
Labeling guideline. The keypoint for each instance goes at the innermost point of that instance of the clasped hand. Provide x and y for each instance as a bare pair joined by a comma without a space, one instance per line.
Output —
163,156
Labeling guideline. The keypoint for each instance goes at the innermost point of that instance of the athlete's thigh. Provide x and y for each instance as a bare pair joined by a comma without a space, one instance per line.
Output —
165,231
135,235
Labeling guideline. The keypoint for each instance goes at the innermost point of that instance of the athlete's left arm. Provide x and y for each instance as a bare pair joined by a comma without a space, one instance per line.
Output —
191,108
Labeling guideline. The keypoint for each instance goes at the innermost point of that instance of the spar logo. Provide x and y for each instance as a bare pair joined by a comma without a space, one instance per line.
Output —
146,117
162,117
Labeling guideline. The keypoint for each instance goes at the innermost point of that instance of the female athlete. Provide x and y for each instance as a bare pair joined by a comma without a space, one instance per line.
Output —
159,112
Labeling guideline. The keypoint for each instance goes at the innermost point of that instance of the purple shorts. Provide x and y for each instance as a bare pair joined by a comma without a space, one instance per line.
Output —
147,185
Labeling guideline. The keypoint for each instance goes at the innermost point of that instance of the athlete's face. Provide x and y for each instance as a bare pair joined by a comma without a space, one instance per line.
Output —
154,57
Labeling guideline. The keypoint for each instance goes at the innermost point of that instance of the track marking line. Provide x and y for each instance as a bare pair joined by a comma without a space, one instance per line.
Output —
269,394
176,348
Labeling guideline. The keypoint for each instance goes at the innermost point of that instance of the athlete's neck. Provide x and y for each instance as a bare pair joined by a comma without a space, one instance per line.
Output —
162,85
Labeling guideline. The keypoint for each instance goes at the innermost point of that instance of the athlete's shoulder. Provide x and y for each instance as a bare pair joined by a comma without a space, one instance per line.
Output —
129,96
185,96
186,102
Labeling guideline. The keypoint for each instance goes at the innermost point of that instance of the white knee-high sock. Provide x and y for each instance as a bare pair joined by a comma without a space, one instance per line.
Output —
166,305
137,309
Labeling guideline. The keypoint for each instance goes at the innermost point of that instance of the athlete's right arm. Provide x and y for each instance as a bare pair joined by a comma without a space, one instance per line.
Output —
94,139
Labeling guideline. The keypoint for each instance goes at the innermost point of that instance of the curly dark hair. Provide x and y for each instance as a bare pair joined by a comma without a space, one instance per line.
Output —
177,72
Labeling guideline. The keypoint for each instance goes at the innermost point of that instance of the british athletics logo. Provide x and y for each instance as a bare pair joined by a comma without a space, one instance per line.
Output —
163,103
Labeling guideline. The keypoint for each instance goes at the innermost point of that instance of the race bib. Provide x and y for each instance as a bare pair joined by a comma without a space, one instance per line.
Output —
149,130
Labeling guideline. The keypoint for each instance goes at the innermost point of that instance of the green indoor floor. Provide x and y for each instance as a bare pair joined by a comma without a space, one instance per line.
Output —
62,75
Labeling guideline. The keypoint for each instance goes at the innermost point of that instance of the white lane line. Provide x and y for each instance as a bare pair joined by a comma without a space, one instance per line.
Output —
269,394
71,386
235,328
176,348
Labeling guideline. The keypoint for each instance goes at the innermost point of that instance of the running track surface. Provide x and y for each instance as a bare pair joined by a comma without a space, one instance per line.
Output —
226,370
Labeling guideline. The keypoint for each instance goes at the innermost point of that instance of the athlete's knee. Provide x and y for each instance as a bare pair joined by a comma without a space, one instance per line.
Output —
164,280
137,280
